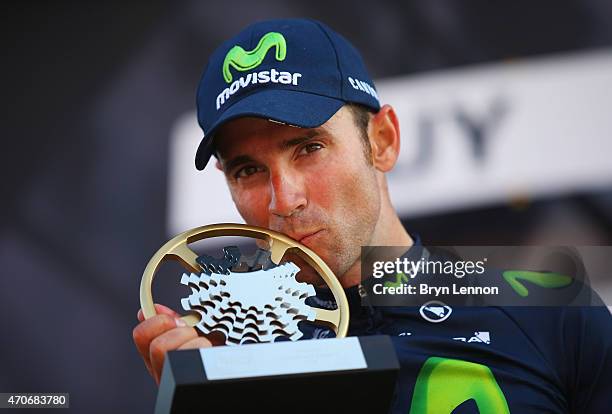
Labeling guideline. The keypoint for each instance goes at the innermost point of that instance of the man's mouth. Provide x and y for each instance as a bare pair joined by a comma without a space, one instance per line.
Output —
304,239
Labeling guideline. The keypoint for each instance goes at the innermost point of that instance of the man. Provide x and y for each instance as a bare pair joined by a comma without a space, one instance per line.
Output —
290,112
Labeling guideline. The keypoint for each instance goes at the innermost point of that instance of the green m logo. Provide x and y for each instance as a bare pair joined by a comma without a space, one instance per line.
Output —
242,60
444,384
547,280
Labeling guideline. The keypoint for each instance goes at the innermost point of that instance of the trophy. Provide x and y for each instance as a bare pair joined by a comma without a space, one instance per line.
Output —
257,304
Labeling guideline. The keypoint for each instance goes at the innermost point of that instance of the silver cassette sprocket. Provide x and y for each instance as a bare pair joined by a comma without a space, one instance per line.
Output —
248,299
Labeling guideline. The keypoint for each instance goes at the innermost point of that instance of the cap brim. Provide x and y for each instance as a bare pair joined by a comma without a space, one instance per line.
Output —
301,109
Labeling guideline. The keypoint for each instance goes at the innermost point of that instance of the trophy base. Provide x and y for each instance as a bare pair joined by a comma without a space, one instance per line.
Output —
355,374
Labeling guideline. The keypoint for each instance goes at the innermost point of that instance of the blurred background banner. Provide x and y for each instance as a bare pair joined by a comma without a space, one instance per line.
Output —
471,137
506,135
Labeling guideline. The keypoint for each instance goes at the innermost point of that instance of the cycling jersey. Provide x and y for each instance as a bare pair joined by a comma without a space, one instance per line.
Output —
491,359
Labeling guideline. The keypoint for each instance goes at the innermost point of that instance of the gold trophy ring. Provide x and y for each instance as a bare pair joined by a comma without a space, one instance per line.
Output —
279,244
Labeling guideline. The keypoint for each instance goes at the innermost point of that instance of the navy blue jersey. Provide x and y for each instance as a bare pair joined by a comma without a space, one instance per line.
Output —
491,359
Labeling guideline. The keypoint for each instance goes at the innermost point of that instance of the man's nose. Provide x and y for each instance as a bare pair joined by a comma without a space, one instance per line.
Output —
288,195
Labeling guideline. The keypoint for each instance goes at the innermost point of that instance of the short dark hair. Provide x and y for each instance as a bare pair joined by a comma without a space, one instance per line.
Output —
361,116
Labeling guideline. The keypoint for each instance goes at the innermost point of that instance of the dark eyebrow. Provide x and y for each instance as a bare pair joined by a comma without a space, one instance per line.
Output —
236,161
284,145
292,142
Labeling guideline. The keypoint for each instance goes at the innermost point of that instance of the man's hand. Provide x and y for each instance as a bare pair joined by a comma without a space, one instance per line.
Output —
162,333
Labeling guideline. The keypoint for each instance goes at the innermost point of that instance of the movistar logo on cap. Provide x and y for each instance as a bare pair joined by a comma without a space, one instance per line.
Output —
243,61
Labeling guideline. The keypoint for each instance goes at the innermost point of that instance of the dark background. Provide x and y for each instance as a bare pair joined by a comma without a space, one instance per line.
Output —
90,91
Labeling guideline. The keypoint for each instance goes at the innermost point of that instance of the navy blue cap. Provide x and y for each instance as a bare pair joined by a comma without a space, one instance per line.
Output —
295,71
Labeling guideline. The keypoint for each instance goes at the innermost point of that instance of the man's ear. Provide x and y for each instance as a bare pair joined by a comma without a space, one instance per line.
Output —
384,135
218,165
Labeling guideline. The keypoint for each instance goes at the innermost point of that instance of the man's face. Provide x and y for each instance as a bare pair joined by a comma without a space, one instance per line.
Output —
315,185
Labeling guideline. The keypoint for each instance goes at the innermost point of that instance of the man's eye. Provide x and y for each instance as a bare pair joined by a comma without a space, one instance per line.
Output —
312,147
246,171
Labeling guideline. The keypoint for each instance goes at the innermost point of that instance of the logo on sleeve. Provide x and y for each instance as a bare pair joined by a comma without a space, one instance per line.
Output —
547,280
